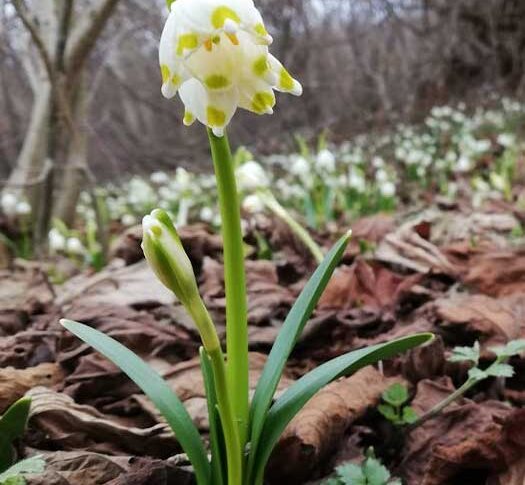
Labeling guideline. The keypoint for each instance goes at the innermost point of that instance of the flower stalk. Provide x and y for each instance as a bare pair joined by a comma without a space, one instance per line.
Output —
269,200
234,280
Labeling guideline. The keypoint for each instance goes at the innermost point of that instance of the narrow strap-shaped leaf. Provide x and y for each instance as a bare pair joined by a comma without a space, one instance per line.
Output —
216,438
288,335
155,388
298,394
12,426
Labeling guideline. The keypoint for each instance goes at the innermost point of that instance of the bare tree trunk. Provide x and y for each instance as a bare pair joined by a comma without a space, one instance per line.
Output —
75,168
34,149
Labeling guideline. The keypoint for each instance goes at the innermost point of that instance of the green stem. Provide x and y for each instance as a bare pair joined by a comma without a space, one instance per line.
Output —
443,404
199,313
235,282
273,204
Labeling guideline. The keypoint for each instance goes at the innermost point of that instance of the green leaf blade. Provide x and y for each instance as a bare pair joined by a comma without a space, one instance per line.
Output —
155,388
297,395
290,331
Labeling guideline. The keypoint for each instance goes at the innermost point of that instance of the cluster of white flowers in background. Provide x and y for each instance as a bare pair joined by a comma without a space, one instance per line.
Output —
451,149
13,205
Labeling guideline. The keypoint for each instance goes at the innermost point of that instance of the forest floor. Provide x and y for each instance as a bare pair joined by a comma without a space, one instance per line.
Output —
446,269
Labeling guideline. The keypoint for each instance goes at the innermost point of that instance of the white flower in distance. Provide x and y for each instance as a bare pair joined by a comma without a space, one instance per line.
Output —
251,176
215,54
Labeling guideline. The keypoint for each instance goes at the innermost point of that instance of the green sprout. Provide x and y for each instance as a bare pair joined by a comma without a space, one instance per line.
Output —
12,427
499,369
394,408
369,472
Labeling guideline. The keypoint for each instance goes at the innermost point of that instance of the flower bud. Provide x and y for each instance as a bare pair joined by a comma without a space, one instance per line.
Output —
166,256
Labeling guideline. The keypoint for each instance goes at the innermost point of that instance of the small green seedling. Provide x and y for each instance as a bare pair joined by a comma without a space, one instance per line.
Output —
369,472
499,368
394,408
12,426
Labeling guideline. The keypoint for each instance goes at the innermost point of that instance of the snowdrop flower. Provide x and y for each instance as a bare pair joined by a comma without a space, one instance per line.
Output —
215,54
251,176
300,166
463,164
74,246
388,189
57,242
326,160
381,176
23,208
253,204
506,139
9,203
206,214
357,181
159,178
128,219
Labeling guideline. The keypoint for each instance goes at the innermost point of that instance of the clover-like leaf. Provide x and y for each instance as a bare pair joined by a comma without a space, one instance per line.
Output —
351,474
514,347
409,415
396,395
469,354
477,374
375,472
388,412
500,370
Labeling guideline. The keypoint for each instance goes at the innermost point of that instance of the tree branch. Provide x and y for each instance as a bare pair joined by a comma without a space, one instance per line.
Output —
84,36
32,28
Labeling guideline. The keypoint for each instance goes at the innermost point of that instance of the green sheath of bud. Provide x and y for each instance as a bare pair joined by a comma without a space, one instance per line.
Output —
166,256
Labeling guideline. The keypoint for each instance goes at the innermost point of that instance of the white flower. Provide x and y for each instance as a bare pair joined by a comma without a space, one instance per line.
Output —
23,208
357,181
207,214
381,176
251,176
128,219
159,178
388,189
326,161
215,53
74,246
300,166
253,204
9,203
506,139
463,164
57,242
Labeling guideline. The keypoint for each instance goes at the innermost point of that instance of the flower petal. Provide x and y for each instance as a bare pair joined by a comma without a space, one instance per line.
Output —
211,108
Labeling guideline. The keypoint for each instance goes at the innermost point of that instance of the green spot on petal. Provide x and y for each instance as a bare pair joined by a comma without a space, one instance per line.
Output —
220,14
260,66
165,72
187,41
262,101
189,118
216,117
217,81
260,29
286,81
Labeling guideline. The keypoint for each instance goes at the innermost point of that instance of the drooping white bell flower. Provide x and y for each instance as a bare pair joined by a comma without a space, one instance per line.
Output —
57,242
251,176
326,161
75,246
215,54
9,202
23,208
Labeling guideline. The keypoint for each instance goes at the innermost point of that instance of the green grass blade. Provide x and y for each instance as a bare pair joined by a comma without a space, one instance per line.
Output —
216,437
291,402
155,388
288,335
